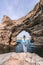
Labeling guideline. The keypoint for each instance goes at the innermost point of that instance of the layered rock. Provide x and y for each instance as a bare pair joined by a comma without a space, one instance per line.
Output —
32,23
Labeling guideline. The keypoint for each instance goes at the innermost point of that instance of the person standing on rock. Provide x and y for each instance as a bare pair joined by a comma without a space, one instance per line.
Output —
24,43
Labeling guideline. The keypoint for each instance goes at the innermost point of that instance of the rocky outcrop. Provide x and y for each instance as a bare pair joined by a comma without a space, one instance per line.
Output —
20,59
32,23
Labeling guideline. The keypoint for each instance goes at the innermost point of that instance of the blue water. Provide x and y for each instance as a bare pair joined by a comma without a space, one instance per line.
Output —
19,47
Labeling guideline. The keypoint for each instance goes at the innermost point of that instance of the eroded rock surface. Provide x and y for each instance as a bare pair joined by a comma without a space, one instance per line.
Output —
20,59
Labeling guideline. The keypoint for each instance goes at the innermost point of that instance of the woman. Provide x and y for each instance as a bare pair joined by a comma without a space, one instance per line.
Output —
23,44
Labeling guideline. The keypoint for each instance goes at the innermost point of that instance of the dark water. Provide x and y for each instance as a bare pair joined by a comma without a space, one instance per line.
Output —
30,48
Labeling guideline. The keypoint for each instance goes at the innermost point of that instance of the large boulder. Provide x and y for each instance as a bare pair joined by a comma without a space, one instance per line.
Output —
20,59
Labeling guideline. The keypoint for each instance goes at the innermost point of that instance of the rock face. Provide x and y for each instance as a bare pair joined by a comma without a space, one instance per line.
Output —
32,23
20,59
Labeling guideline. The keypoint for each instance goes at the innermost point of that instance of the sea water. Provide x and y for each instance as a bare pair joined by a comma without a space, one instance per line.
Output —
23,46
